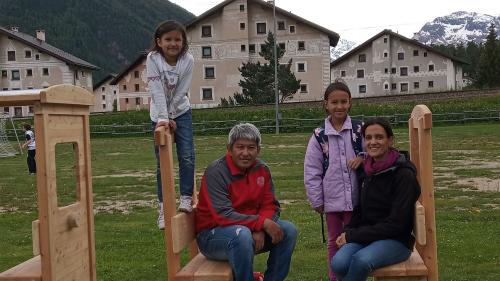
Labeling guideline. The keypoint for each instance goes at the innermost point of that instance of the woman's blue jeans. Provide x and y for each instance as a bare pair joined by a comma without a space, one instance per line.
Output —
354,262
185,155
235,244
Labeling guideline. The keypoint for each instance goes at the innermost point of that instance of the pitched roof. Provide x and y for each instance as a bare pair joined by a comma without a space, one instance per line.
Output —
47,48
401,37
333,36
104,80
142,56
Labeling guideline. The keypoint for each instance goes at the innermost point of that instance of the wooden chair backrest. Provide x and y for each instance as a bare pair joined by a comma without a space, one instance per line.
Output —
420,125
66,233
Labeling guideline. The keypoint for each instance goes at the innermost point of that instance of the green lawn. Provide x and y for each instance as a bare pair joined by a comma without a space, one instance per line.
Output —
129,246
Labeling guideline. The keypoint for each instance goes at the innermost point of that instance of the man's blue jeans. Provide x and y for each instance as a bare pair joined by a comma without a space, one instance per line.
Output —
185,155
355,261
235,244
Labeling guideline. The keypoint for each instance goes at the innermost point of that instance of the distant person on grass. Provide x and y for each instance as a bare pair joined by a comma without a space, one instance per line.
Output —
380,231
31,145
237,215
169,69
332,157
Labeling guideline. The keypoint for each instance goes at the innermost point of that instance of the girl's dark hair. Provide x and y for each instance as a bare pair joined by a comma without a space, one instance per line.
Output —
166,27
337,85
27,127
378,121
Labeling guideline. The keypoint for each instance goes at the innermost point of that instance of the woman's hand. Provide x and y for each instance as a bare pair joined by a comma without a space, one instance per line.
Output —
341,240
354,163
319,209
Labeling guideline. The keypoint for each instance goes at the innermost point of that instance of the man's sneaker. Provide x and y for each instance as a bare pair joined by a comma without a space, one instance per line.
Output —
161,218
186,204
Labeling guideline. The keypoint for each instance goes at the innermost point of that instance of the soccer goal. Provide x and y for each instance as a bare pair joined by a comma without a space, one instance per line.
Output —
6,149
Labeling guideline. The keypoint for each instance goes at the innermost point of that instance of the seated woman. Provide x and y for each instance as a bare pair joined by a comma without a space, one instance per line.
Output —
380,231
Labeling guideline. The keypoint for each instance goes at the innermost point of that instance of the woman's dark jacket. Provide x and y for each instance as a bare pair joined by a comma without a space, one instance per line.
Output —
386,208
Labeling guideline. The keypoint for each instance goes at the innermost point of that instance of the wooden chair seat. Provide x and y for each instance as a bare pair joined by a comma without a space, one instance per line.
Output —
202,269
413,266
30,270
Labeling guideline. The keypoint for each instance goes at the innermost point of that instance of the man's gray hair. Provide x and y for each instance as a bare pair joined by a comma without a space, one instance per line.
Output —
246,131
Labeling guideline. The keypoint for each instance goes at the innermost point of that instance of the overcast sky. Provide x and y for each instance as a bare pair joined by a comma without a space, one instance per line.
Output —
359,20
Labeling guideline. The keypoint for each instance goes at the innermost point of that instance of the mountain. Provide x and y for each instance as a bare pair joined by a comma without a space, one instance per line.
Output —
343,46
106,33
456,28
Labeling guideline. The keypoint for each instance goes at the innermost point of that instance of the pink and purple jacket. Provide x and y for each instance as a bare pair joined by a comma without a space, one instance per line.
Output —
337,191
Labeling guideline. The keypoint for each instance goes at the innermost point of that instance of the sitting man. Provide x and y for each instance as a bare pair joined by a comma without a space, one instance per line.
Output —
237,214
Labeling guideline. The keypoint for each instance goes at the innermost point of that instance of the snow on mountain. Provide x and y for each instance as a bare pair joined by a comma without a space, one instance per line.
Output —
456,28
343,46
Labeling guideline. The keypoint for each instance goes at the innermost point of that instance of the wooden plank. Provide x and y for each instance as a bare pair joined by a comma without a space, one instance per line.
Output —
419,226
19,100
35,237
413,266
67,94
212,270
183,232
30,270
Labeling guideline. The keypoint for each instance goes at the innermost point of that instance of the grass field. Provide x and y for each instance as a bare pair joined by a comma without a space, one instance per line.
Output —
130,247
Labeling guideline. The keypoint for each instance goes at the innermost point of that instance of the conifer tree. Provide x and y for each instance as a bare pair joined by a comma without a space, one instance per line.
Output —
489,62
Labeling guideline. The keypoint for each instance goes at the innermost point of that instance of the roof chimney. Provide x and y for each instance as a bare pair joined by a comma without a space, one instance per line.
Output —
14,28
40,35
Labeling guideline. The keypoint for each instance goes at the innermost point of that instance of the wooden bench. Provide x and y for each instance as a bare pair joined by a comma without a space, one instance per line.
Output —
63,237
422,264
180,228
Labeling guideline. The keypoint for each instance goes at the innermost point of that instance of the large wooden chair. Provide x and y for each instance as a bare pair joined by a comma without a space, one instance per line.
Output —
63,237
422,264
180,229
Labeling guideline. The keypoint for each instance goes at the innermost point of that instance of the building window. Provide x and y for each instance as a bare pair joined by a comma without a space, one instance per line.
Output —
386,70
403,71
6,109
11,55
385,39
282,46
415,53
104,106
431,67
137,101
251,48
362,89
261,28
262,46
303,88
385,54
386,86
302,45
425,54
207,94
29,72
136,87
401,56
342,73
83,73
242,26
18,111
206,52
103,89
45,71
431,84
394,86
209,72
242,8
301,67
404,87
126,100
393,70
416,68
361,73
416,85
103,97
37,57
15,75
362,58
4,73
206,31
292,28
243,48
27,54
124,87
136,74
281,25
